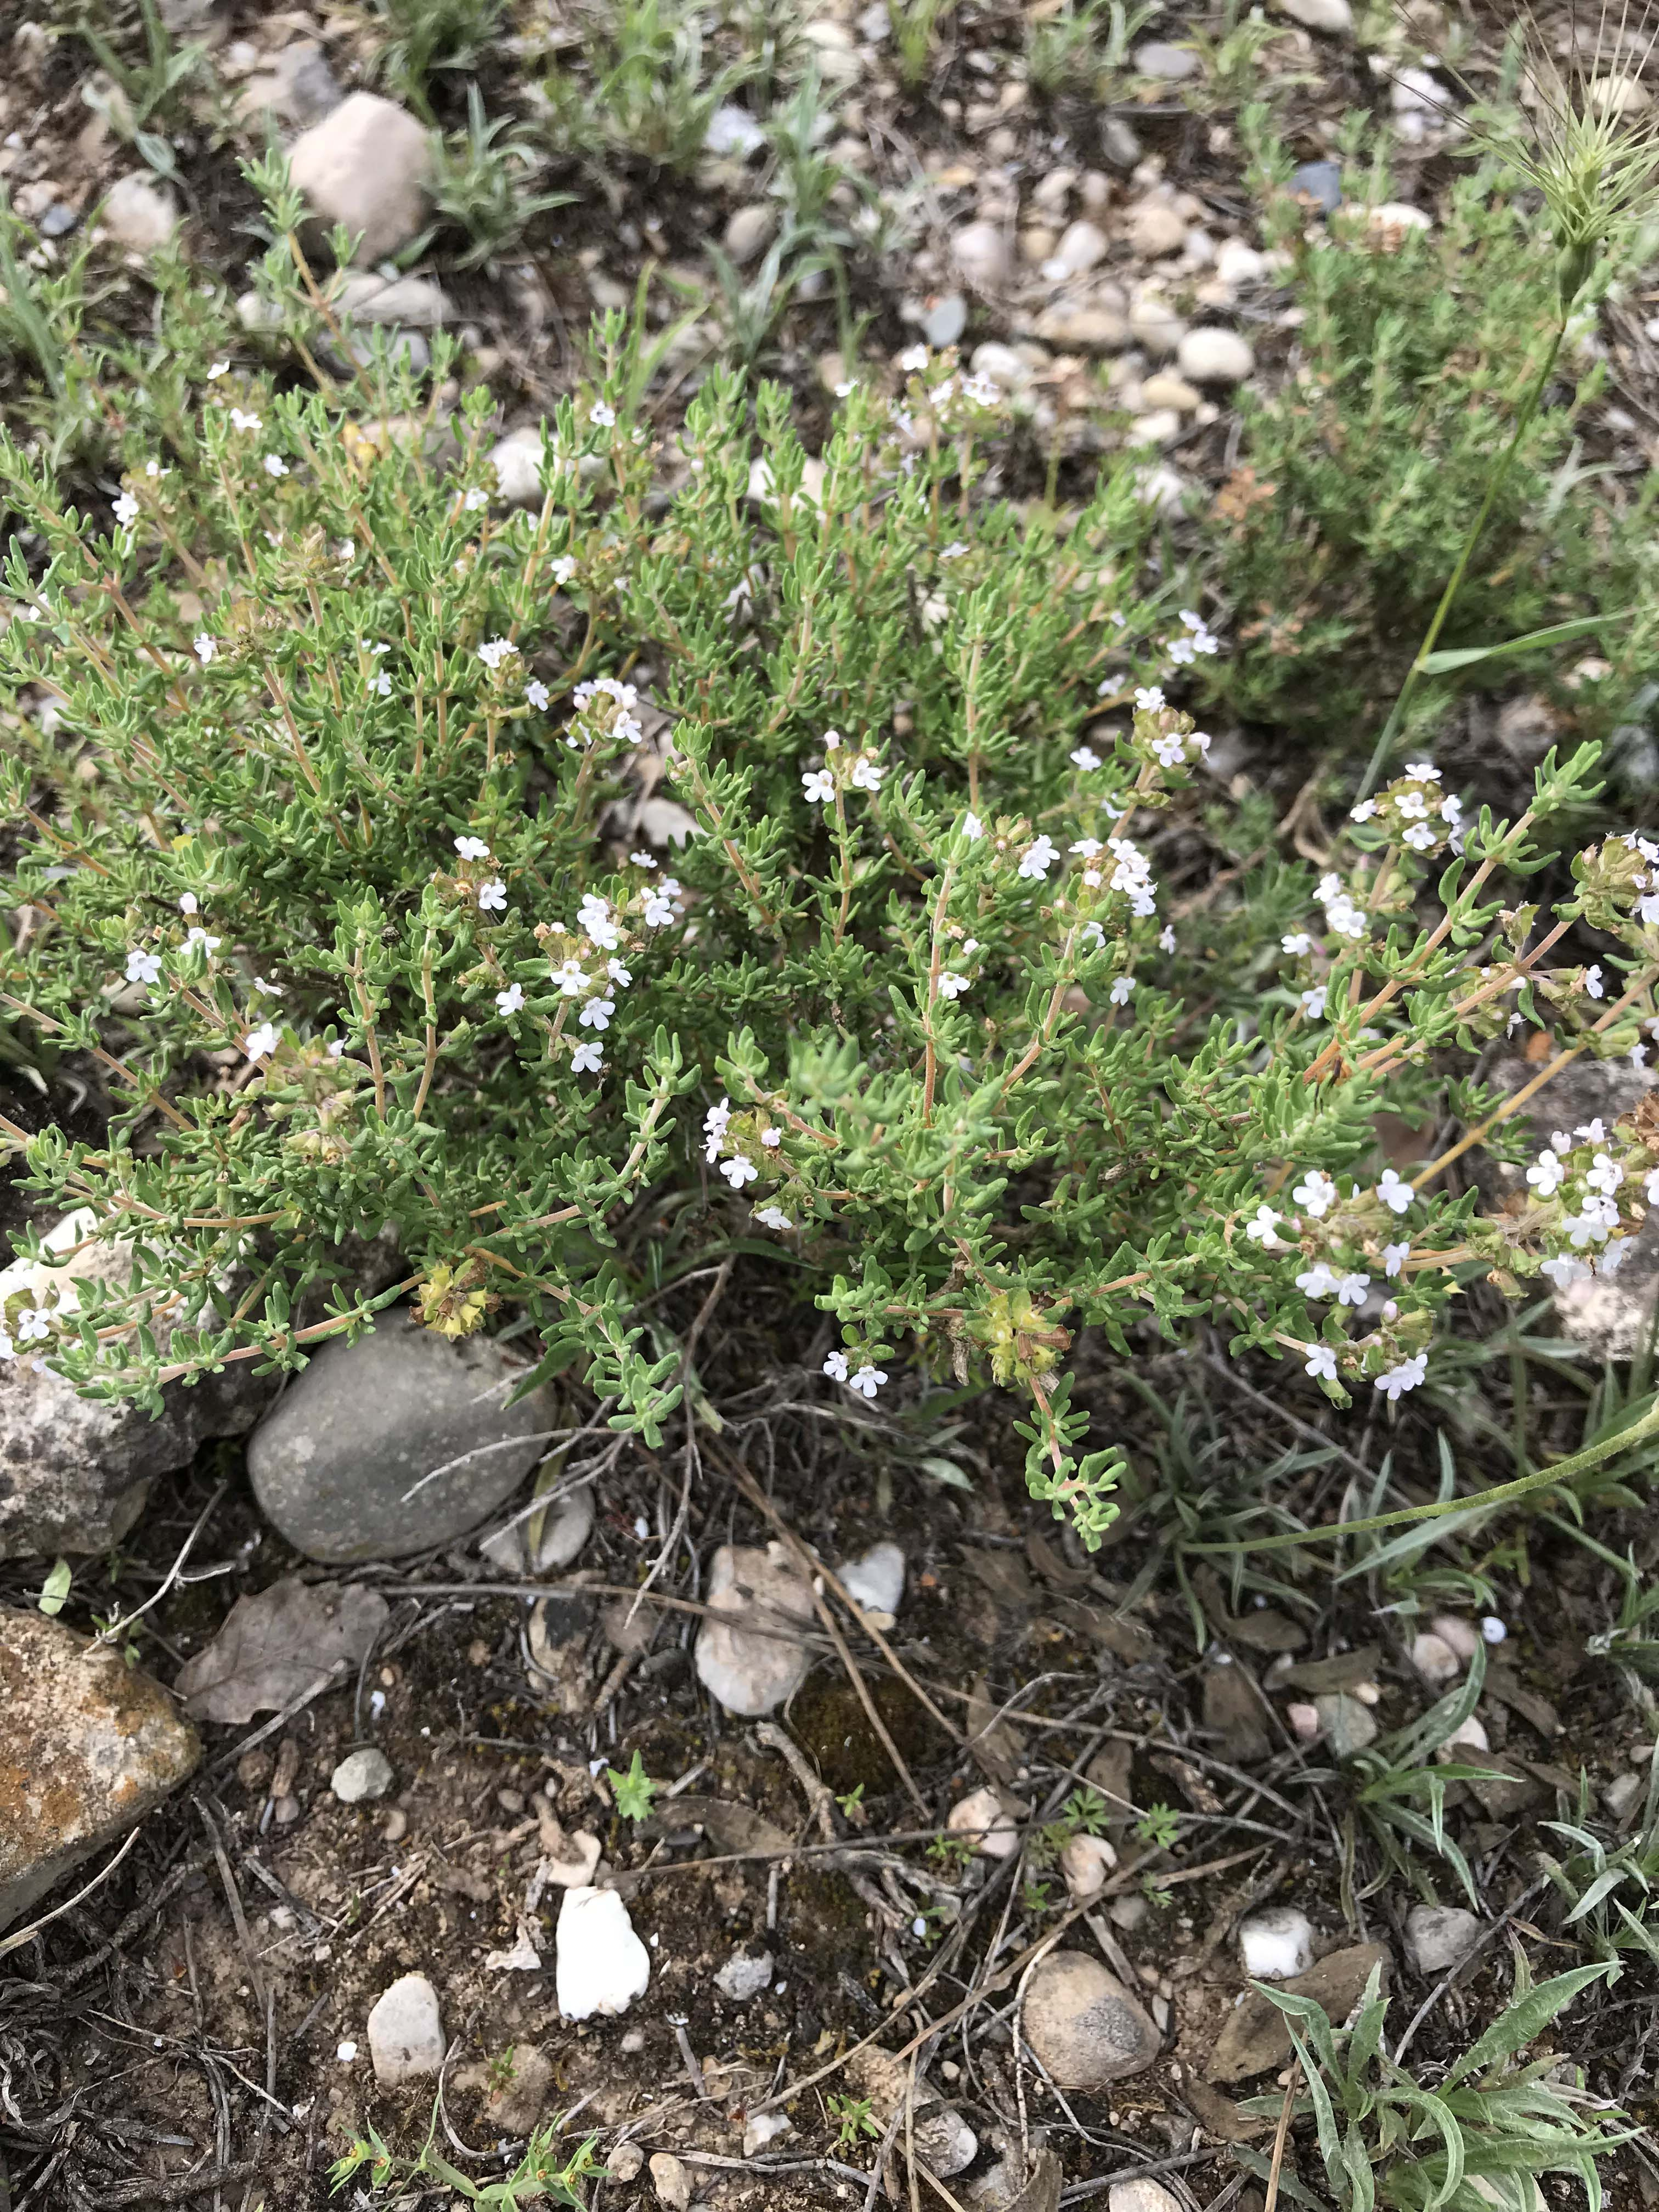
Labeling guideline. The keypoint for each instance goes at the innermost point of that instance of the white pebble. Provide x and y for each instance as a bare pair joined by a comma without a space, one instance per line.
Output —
1276,1945
1493,1629
602,1965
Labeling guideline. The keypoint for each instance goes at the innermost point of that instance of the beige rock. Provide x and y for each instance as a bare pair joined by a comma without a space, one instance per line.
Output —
140,214
1084,2023
981,254
1090,329
88,1745
670,2180
365,166
1435,1660
749,1654
1254,2036
405,2032
1156,229
749,232
981,1818
415,302
1085,1862
1167,390
1036,244
1082,245
1210,356
1335,16
1160,428
1155,323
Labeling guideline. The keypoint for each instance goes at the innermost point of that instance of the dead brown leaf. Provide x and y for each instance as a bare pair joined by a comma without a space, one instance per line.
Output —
276,1643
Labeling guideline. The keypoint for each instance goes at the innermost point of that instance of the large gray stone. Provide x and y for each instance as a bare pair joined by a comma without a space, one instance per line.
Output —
1084,2025
365,164
397,1443
75,1472
88,1746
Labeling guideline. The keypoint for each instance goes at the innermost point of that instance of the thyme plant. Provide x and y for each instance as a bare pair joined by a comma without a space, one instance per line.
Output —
973,1008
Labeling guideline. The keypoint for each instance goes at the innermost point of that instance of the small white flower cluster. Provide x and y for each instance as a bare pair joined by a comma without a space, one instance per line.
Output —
737,1171
1409,807
1183,651
1342,916
623,722
859,771
1338,1276
495,650
1590,1212
33,1326
1647,907
865,1380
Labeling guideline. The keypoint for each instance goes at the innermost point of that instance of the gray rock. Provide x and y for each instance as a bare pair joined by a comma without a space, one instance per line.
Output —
297,86
140,215
397,1443
57,220
1347,1723
750,1655
1118,142
361,1775
672,2180
1084,2025
1214,356
945,2144
415,302
75,1472
1319,182
1169,64
1439,1938
406,2033
365,166
749,231
256,315
88,1745
1255,2037
945,320
742,1977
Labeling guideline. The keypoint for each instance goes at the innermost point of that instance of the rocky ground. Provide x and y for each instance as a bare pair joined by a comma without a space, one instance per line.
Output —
792,1809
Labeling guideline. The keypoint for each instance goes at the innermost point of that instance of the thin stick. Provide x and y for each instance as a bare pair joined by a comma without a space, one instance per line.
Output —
23,1935
1281,2137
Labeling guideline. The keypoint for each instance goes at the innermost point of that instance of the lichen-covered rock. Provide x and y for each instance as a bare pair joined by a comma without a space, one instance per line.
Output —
88,1746
75,1472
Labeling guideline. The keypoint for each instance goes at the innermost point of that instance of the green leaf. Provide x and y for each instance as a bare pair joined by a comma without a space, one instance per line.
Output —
56,1587
1524,2021
1442,664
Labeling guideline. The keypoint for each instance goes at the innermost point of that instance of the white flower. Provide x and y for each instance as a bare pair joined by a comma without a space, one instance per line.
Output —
1321,1362
1169,752
1313,1003
1604,1174
972,828
1181,651
738,1171
1619,1250
620,976
241,420
1352,1289
603,418
912,359
143,967
126,510
950,985
713,1128
1085,757
1423,771
495,650
1637,1055
270,990
571,978
835,1366
563,570
472,849
1647,909
1420,837
1562,1270
509,1000
1591,1131
658,910
866,775
587,1058
1394,1257
773,1217
336,1049
276,466
643,860
1317,1281
817,785
1297,942
188,903
1363,811
475,499
596,1013
1406,1376
379,685
1123,990
33,1325
206,648
1260,1230
8,1350
1411,807
219,368
209,945
537,694
1593,982
1036,860
261,1043
1651,1188
1546,1175
1317,1194
1166,937
1148,699
1560,1141
594,918
492,896
1394,1194
1588,1226
867,1381
845,391
955,549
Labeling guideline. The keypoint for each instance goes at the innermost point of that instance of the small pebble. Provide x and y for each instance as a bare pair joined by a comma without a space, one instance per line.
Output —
361,1775
1276,1945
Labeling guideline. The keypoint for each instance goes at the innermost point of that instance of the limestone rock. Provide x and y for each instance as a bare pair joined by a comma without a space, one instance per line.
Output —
415,302
1169,64
1277,1945
602,1964
1254,2036
1142,2195
88,1746
1156,229
980,255
362,1775
1214,356
297,86
405,2032
1084,2025
670,2180
876,1581
1335,16
749,230
751,1658
140,214
1085,1862
1156,326
742,1977
517,461
397,1443
75,1472
365,166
